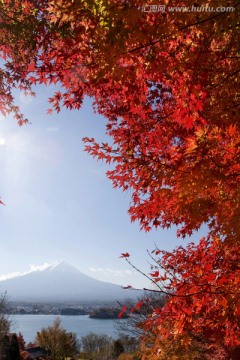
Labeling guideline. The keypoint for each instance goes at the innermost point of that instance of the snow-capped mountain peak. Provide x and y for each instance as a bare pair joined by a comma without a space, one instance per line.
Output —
36,268
58,282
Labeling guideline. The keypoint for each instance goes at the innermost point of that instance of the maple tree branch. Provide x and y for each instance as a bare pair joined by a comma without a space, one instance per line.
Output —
153,42
233,175
4,15
203,286
146,276
230,108
160,265
221,82
222,165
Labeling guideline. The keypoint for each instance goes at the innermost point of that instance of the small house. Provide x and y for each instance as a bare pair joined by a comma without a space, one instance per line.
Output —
37,353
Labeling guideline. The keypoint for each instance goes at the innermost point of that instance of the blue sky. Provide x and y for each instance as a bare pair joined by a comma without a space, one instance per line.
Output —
60,205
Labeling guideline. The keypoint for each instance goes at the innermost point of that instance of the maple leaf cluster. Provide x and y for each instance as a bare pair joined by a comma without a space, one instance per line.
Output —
168,85
202,311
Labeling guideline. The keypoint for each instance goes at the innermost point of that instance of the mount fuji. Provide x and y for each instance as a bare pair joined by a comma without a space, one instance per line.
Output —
60,282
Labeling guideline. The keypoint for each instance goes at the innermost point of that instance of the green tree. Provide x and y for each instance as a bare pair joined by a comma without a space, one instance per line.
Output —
57,341
21,341
14,350
97,347
117,349
131,327
4,322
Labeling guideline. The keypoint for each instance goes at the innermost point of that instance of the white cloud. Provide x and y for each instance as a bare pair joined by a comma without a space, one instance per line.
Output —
90,170
33,268
107,272
52,129
41,267
2,141
10,276
25,99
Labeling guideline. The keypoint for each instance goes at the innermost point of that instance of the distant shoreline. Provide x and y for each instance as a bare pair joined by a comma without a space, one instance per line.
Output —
104,312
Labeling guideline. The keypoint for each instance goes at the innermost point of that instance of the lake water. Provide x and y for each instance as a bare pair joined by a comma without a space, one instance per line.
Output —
81,325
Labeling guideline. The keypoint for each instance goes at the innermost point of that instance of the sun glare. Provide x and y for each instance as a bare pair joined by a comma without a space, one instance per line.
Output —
2,141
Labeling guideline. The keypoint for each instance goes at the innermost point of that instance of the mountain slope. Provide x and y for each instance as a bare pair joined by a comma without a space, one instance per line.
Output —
60,282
